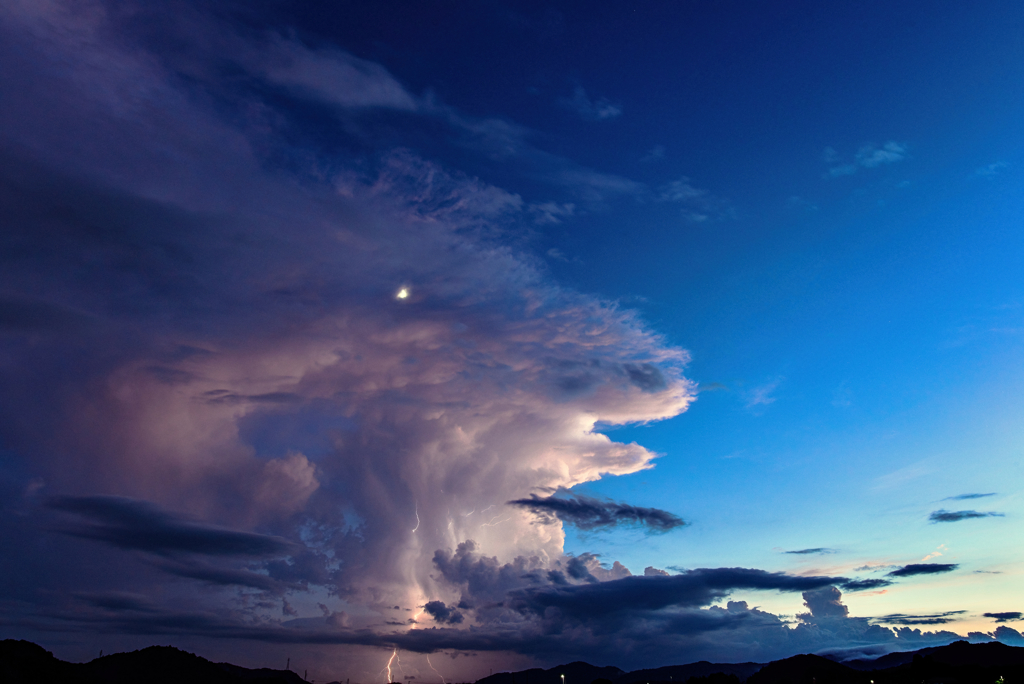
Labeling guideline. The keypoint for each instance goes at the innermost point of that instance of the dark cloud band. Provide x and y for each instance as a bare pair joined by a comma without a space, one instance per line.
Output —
690,589
1005,616
588,513
915,569
139,525
944,516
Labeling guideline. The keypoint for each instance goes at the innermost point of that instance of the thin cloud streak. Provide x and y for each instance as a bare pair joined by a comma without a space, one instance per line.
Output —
915,569
962,497
944,516
588,513
814,551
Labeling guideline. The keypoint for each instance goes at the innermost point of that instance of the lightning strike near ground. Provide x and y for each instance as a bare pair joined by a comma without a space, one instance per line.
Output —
435,671
387,667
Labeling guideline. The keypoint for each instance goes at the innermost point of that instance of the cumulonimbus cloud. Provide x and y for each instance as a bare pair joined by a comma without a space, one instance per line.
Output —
189,325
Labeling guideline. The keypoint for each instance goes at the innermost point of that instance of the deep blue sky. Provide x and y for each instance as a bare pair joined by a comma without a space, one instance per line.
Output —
350,330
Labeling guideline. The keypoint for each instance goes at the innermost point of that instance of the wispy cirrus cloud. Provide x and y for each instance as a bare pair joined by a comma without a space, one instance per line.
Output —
993,169
601,109
963,497
867,157
762,395
697,204
818,550
331,76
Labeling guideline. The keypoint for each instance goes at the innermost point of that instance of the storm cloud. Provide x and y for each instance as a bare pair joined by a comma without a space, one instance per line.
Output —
588,513
443,614
199,315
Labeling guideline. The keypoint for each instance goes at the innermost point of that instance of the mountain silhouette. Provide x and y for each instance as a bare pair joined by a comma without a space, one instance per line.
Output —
23,662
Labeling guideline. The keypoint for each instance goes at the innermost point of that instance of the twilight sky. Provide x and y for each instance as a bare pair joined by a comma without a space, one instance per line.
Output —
485,335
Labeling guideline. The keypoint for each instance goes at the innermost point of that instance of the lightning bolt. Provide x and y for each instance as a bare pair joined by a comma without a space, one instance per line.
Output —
416,508
398,662
387,668
436,672
492,523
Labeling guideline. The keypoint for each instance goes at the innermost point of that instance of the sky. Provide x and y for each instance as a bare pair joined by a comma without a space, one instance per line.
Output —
415,341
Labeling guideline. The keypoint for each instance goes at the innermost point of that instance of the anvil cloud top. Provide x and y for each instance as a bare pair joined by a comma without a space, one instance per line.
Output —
356,333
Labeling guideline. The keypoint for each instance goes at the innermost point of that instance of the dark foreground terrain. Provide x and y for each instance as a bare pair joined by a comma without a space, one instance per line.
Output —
957,663
22,662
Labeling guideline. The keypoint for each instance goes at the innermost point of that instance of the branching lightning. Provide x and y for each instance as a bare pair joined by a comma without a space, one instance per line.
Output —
387,668
416,508
492,523
398,662
436,672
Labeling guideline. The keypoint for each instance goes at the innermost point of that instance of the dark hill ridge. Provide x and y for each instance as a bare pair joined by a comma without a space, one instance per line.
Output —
22,662
682,673
575,673
585,673
956,663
